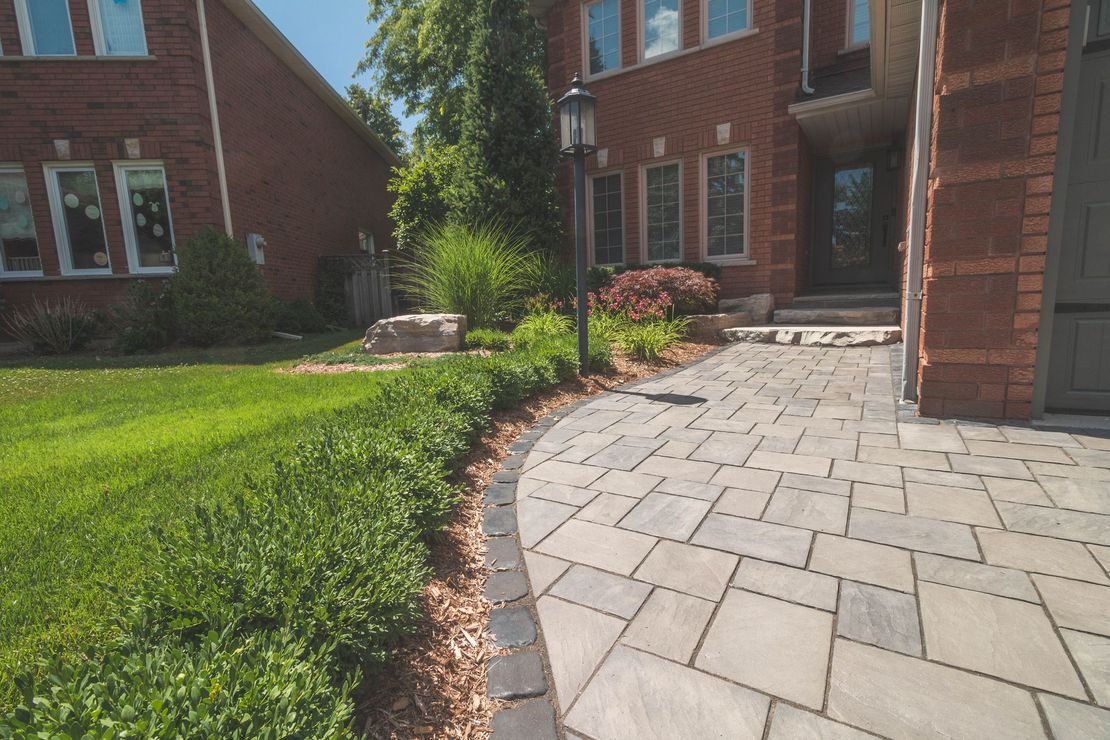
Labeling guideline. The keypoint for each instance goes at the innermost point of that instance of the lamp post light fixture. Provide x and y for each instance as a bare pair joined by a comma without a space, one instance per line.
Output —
578,138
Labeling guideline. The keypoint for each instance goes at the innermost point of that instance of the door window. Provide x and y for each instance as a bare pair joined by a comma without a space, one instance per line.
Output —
851,221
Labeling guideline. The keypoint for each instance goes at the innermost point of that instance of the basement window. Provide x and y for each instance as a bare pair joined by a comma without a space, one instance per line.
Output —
19,245
44,28
118,27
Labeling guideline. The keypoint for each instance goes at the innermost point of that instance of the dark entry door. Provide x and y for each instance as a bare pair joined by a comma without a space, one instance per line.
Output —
1079,367
853,221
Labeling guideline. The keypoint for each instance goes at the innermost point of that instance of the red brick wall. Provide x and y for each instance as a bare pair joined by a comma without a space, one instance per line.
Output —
828,32
298,174
96,104
996,117
748,82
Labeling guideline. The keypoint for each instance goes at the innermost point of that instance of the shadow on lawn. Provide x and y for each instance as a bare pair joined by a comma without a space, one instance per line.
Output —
258,354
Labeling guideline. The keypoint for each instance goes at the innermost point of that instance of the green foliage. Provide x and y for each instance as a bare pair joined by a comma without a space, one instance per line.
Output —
476,271
488,339
145,321
507,145
421,190
219,295
377,110
53,327
256,617
551,281
648,339
331,293
607,325
268,685
541,325
298,317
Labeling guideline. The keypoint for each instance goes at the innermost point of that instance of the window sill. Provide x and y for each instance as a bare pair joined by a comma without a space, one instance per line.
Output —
854,48
76,58
80,277
732,261
671,55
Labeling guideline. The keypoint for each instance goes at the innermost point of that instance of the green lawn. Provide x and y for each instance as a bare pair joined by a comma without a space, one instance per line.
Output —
93,451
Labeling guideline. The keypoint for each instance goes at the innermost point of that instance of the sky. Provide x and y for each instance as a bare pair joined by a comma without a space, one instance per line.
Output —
330,34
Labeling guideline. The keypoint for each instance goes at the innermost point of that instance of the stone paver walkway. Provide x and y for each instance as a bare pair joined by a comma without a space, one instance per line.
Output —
755,544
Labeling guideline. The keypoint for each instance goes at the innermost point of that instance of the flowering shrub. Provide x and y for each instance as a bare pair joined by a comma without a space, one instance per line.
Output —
688,291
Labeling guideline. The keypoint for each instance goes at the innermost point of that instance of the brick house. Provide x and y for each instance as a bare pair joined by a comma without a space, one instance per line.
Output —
130,124
939,159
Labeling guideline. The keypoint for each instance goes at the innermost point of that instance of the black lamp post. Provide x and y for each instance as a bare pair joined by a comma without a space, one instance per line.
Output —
578,137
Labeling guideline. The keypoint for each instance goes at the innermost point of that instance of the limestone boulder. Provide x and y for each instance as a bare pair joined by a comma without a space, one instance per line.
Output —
426,332
708,327
760,307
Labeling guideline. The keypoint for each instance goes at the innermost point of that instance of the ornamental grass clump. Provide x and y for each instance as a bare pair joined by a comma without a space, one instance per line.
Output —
478,271
53,327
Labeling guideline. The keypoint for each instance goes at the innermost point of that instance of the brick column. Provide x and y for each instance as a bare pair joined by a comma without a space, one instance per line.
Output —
996,111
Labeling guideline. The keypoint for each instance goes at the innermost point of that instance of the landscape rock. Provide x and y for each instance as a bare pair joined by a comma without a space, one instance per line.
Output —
432,332
708,327
760,307
813,336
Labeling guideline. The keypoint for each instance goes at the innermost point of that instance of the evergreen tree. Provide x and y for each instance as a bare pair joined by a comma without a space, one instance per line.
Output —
507,149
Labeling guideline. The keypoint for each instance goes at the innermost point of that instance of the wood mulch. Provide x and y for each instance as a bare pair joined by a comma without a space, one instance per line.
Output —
436,683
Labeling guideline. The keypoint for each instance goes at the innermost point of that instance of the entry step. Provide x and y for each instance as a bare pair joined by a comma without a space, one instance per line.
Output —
817,336
869,316
869,299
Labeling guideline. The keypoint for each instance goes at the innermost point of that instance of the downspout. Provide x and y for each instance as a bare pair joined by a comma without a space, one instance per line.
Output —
214,112
919,194
805,49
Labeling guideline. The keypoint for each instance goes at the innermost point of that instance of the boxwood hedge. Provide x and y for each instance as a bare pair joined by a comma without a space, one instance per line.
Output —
260,620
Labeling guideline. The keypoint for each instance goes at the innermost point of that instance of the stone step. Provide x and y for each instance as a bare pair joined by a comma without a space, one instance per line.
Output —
885,299
869,316
816,336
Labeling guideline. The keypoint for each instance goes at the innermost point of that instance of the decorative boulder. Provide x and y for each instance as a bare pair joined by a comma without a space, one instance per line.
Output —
708,327
429,332
760,307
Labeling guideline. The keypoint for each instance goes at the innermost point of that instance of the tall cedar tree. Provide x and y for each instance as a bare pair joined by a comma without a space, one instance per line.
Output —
507,149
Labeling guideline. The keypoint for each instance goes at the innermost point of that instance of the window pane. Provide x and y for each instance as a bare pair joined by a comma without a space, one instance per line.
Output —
121,22
663,209
660,27
724,189
726,16
150,217
608,233
83,220
851,238
19,246
604,35
49,23
861,21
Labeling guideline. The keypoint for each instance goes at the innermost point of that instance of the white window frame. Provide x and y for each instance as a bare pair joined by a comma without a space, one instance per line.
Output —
744,257
99,42
590,219
851,44
643,213
641,22
130,236
748,31
16,167
370,241
584,7
57,216
27,39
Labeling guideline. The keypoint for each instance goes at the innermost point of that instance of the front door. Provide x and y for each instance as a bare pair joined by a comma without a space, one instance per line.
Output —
853,221
1079,366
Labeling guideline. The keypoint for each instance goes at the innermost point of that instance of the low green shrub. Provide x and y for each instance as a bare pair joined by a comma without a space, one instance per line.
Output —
298,316
647,340
269,685
218,293
53,327
256,618
542,324
488,339
145,321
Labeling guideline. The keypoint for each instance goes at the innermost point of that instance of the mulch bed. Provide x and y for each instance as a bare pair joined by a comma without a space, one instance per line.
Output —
436,684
